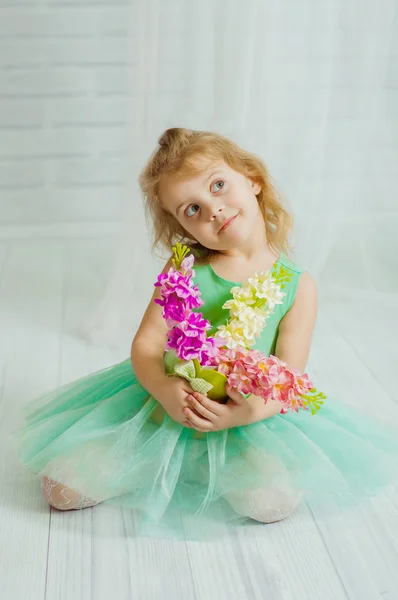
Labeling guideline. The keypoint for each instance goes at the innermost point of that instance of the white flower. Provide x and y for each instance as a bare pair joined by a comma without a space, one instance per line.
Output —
274,296
244,294
254,316
232,334
242,331
264,286
252,328
235,307
250,307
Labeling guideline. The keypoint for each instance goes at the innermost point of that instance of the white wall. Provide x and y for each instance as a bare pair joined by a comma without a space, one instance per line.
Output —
81,80
86,86
66,110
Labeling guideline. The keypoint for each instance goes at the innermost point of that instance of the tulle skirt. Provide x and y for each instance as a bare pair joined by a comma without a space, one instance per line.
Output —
102,436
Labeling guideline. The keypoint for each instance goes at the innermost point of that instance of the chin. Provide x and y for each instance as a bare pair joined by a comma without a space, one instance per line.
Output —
237,236
233,241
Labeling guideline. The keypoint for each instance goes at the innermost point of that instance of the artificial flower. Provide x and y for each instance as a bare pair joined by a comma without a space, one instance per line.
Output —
229,351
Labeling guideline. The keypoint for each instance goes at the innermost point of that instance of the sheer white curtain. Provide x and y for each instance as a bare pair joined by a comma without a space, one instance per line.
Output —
312,87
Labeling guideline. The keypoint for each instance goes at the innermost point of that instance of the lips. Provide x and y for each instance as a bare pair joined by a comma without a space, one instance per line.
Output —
227,222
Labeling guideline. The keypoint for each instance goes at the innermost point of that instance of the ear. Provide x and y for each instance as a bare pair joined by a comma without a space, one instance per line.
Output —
256,187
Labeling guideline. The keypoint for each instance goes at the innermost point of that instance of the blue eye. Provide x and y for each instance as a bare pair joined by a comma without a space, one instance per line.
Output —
219,185
193,207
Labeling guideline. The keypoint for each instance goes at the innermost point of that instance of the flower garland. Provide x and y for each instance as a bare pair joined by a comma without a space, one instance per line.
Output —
179,296
251,305
210,362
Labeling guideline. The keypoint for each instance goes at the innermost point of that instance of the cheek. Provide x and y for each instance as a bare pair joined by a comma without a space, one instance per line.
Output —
191,228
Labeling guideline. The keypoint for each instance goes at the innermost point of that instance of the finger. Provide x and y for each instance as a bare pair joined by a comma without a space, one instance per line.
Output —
187,388
201,409
198,422
210,405
201,429
235,395
196,428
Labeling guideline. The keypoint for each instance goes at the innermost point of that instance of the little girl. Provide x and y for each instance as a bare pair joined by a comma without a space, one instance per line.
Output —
131,436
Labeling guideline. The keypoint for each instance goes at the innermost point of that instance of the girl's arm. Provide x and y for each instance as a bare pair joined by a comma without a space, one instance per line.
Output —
147,351
147,348
293,343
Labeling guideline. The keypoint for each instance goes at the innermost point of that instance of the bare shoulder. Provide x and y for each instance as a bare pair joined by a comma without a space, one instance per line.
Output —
305,305
152,319
297,326
306,290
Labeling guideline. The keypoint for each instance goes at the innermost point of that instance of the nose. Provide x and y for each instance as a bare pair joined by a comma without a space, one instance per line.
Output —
216,212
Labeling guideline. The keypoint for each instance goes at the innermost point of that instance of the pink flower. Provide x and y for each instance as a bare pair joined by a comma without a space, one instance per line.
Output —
294,403
281,381
302,383
188,339
209,350
174,310
186,345
174,283
228,356
241,381
223,368
193,323
186,266
254,357
251,372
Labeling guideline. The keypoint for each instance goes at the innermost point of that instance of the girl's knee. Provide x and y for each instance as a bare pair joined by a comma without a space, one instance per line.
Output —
265,505
274,501
61,497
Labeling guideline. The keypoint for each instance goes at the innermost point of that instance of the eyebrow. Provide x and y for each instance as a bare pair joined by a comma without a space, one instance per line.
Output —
211,176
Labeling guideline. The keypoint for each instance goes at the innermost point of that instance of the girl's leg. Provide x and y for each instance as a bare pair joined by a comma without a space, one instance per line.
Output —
264,505
62,497
88,457
272,502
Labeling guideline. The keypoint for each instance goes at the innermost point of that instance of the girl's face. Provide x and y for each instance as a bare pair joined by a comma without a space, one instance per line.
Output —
218,208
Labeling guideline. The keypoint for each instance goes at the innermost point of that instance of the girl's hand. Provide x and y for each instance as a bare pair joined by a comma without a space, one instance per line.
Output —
173,396
207,415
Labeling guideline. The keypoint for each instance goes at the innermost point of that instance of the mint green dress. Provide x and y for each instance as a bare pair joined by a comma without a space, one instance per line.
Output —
102,435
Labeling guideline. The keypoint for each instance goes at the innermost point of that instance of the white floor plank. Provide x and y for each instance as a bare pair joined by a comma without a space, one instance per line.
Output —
373,338
90,544
338,364
159,568
290,560
31,293
361,543
70,566
362,556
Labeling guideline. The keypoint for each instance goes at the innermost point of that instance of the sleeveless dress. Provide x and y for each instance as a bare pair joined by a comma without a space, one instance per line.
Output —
107,438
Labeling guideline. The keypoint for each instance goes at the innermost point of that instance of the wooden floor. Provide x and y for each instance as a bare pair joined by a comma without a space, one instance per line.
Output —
47,289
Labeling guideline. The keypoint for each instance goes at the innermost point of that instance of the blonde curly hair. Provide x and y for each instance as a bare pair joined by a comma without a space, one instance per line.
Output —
188,152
